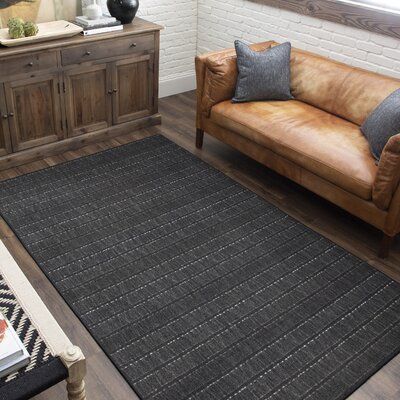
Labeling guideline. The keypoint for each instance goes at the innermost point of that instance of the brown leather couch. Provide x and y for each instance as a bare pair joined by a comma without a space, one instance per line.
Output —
315,140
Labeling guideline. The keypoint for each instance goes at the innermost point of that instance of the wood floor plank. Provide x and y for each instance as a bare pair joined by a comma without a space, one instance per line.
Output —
104,382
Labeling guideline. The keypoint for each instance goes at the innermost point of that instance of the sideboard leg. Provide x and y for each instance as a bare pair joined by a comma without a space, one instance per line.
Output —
75,362
199,138
384,248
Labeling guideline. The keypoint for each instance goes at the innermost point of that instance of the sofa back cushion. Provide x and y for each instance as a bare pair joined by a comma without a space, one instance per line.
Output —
340,89
337,88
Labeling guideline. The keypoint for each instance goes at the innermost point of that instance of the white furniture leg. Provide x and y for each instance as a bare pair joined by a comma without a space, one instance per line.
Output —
75,362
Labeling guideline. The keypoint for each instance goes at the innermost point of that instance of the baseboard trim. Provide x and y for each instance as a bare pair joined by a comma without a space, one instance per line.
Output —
180,84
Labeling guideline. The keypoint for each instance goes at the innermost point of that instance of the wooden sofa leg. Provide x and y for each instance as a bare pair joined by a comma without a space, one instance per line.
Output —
384,248
199,138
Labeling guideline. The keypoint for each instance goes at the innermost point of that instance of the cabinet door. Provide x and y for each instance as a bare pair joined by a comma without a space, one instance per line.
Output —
34,111
133,88
88,98
5,143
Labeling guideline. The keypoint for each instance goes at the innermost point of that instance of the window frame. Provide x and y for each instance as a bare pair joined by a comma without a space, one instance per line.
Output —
347,12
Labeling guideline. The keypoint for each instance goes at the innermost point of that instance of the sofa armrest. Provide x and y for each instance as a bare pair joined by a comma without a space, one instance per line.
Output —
388,175
216,75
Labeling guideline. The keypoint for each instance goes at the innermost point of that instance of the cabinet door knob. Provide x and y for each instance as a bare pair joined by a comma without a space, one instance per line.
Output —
110,91
115,90
11,114
5,116
133,44
87,53
30,64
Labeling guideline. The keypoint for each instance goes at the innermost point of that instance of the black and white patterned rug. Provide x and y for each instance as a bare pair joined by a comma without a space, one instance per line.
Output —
44,370
28,334
194,286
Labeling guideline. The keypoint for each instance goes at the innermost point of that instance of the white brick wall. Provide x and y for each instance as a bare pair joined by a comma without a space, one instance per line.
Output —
178,41
220,22
197,26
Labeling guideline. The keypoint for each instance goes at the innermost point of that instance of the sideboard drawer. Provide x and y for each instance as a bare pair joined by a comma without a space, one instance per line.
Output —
107,48
28,63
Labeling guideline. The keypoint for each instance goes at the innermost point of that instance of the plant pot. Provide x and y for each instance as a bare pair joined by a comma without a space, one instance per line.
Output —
123,10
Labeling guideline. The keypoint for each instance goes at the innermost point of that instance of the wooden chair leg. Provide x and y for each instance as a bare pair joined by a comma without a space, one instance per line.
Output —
199,138
76,390
75,362
384,248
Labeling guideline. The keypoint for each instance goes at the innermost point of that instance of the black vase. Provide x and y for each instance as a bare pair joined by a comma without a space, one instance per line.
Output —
123,10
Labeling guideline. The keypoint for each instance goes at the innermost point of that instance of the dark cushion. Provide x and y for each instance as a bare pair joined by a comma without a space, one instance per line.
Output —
383,123
263,75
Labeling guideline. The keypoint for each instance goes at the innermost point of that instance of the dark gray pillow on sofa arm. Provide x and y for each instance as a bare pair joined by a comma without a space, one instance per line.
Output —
382,124
263,75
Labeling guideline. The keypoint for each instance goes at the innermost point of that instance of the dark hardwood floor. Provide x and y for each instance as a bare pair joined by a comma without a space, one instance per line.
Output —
103,381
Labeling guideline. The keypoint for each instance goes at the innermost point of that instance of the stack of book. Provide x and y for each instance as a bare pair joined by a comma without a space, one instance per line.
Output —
101,25
13,354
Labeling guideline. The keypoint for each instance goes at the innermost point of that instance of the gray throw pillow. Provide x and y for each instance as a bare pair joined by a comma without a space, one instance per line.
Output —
383,123
263,75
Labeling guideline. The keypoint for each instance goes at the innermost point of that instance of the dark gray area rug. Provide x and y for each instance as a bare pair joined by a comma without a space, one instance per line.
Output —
197,288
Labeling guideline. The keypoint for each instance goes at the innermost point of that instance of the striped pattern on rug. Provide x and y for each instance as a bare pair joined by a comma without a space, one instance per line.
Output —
195,287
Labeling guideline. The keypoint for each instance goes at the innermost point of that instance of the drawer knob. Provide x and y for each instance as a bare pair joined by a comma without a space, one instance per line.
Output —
30,64
87,53
133,45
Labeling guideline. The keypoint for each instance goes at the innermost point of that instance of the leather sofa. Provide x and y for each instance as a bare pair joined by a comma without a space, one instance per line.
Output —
315,139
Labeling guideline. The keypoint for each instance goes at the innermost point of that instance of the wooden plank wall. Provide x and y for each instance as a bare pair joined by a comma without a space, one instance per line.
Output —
358,16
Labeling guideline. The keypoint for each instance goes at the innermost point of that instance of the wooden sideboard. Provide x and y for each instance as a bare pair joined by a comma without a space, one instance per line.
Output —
62,94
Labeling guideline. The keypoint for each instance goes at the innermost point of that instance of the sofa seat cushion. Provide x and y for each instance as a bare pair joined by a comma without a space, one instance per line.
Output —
330,147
